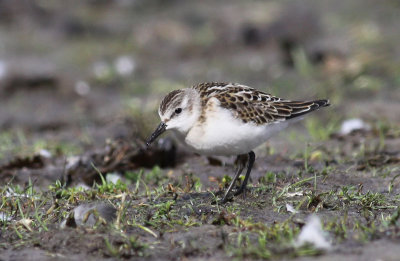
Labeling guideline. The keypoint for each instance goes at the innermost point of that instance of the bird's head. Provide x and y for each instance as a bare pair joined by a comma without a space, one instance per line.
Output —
179,110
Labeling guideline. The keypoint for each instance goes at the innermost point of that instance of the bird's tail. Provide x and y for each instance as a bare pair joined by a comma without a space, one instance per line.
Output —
300,108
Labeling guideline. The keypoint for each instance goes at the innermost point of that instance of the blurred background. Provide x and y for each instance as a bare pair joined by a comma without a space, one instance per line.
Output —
76,73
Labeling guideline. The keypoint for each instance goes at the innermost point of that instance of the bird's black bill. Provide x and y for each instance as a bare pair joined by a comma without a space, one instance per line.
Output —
160,129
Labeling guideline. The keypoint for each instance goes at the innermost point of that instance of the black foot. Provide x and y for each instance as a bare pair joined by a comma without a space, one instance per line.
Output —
240,191
242,188
250,161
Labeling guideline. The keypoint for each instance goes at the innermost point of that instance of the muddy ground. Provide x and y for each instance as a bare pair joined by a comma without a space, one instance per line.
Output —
79,89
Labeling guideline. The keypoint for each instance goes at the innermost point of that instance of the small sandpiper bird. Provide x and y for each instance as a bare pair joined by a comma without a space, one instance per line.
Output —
227,119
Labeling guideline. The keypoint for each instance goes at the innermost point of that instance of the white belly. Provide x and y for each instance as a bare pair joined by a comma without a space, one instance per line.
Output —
222,134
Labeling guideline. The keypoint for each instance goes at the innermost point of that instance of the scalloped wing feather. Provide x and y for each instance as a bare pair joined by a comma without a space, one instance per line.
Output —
251,105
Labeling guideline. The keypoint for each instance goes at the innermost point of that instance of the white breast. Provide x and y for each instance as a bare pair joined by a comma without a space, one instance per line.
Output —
222,134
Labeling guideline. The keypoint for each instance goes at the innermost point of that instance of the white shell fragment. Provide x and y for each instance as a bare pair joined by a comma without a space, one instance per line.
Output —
350,125
291,209
312,233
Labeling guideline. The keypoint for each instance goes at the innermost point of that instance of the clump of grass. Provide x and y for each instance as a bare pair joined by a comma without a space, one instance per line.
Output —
153,177
110,187
257,240
125,246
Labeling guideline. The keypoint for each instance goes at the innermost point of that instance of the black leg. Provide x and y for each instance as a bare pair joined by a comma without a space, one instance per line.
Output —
241,162
252,158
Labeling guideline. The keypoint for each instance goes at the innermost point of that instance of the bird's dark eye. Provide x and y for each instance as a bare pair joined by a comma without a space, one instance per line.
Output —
178,110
